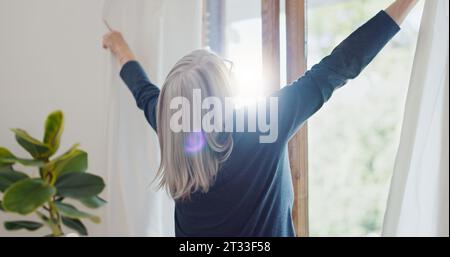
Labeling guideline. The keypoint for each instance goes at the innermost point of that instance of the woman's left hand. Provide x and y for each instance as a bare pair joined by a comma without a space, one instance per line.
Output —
118,46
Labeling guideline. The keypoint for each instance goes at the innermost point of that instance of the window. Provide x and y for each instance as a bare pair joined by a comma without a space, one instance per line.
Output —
353,139
239,40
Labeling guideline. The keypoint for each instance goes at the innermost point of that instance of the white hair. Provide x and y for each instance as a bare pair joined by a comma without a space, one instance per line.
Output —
184,172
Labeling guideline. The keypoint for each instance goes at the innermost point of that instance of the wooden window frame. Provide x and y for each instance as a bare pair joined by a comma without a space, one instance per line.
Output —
213,31
296,65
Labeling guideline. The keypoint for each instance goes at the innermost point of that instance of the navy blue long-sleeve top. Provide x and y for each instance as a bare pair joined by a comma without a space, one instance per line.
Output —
253,194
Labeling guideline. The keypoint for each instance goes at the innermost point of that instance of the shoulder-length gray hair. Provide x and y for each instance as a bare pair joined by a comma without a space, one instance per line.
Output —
190,160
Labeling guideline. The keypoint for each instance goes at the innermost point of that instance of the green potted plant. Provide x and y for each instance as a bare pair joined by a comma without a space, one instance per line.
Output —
60,180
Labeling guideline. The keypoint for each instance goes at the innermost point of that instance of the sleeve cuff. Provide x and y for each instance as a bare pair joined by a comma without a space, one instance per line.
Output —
133,74
130,71
387,19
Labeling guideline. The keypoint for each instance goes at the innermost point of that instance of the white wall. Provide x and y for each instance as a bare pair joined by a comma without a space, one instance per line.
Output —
51,58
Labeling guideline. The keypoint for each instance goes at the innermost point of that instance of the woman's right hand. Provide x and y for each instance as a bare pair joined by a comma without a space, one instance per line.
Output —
400,9
115,42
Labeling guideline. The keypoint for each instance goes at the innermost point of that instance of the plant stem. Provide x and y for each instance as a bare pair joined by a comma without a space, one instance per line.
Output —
55,219
47,221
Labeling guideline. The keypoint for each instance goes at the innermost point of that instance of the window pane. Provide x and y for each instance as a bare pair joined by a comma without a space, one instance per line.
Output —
241,41
354,138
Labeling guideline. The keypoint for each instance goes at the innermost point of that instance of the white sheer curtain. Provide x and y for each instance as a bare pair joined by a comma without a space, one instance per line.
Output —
160,32
419,197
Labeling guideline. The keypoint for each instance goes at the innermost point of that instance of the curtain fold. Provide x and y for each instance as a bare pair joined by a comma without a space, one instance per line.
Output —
159,32
418,202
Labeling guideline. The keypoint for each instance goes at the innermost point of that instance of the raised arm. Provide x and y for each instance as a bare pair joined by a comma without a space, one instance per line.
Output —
144,92
307,95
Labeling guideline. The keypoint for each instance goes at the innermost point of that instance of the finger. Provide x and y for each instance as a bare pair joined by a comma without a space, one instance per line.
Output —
107,25
105,44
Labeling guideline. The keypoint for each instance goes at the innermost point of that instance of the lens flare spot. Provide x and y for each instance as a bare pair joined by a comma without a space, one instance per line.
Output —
194,142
